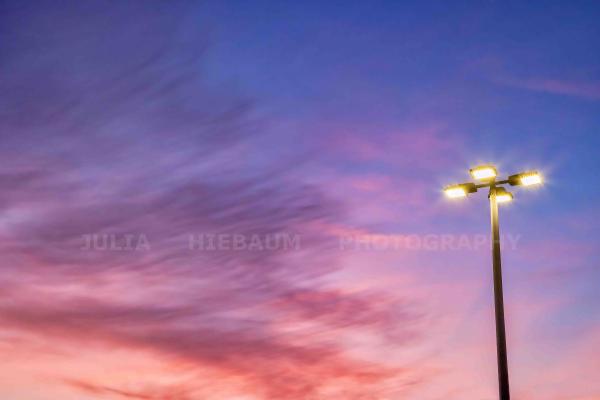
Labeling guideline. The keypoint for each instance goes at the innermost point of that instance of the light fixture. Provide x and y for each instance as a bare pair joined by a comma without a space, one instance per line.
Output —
502,196
483,172
456,191
529,178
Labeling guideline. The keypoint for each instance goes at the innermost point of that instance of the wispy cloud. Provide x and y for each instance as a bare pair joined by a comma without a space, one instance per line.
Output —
584,89
129,139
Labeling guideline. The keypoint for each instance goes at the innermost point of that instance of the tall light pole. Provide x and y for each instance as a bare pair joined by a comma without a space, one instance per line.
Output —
486,175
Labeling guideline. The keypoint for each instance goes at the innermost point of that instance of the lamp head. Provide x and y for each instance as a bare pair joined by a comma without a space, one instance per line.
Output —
484,172
502,196
528,178
461,190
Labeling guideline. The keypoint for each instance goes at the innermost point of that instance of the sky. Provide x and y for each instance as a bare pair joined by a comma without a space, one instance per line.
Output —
242,200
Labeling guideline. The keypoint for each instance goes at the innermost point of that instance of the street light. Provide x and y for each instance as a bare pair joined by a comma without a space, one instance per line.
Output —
497,194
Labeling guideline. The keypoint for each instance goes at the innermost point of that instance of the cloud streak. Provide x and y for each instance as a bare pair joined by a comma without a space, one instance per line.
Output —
589,90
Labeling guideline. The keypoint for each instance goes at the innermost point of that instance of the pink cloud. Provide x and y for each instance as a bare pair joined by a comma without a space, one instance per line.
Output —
393,145
588,90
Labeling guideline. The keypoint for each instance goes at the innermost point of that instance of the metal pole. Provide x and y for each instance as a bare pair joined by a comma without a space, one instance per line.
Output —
499,301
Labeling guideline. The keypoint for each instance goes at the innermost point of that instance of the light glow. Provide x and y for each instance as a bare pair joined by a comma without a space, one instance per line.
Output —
454,192
531,179
504,197
483,172
528,178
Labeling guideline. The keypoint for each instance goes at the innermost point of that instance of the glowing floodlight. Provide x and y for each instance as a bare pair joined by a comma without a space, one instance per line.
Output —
525,179
456,191
502,196
484,172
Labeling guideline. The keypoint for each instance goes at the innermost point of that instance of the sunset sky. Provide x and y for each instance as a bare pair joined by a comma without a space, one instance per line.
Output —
146,127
